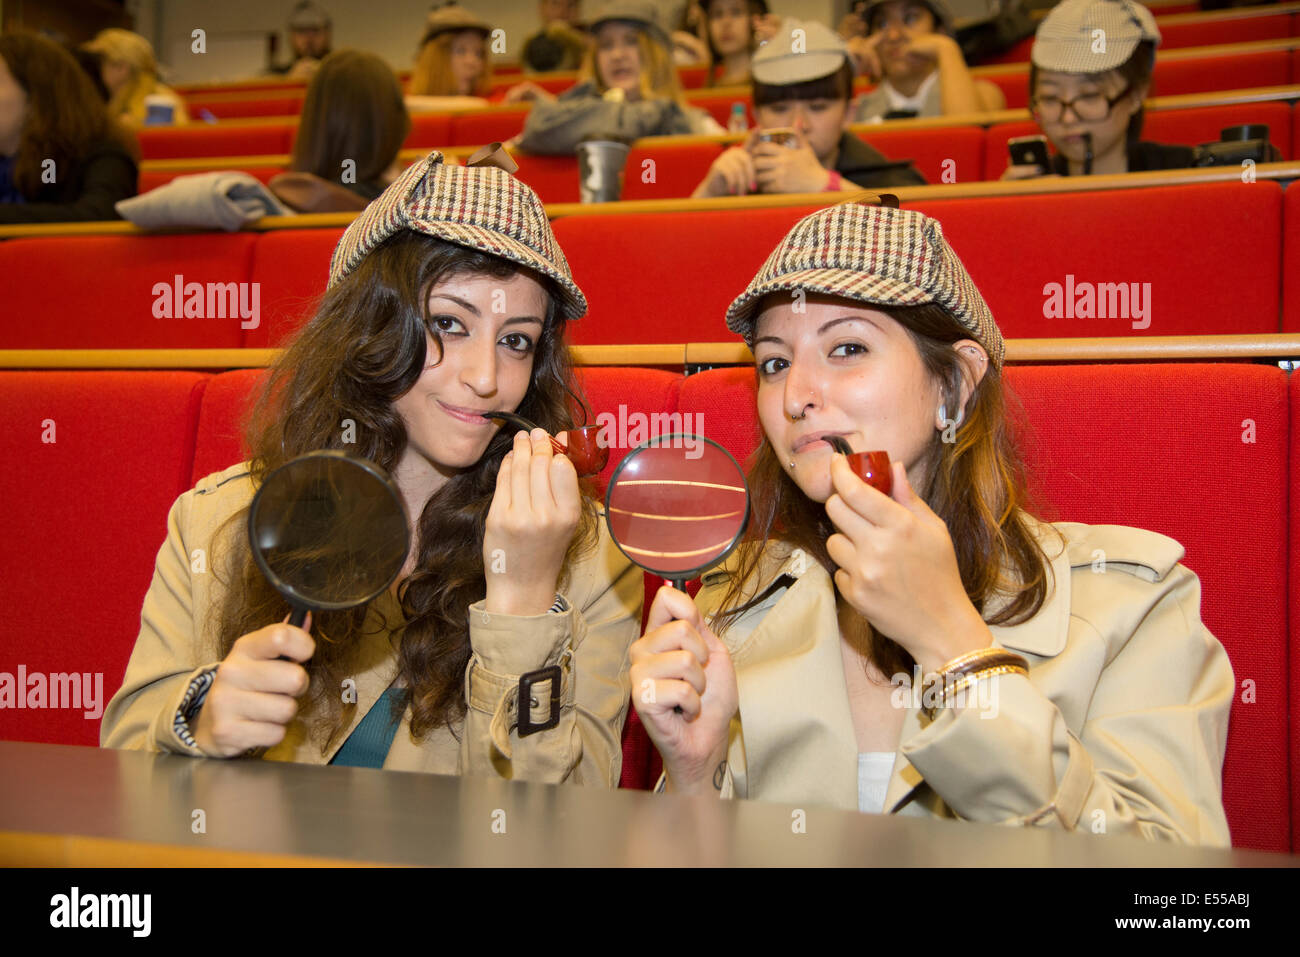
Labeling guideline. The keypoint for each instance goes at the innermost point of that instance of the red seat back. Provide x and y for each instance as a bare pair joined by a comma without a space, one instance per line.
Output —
292,266
667,276
489,126
102,292
1291,260
1068,239
95,460
218,139
950,154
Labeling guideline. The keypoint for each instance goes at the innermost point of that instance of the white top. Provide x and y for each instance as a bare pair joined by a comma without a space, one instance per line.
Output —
916,102
874,770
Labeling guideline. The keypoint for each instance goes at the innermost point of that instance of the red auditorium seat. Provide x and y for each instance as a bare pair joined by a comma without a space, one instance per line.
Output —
429,131
237,106
1201,74
103,296
930,150
232,138
1189,127
668,276
1126,236
219,433
1236,542
487,126
677,169
292,266
718,105
1291,260
1293,604
152,179
84,515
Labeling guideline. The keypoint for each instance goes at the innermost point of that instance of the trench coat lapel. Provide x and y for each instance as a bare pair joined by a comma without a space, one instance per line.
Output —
1043,636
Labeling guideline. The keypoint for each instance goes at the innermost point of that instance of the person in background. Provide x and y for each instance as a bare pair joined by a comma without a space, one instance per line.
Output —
1088,103
93,65
353,125
560,43
62,157
131,76
731,30
810,92
935,651
911,55
627,88
310,36
453,67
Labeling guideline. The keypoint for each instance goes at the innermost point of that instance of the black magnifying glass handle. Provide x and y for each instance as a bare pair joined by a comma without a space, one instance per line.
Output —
298,616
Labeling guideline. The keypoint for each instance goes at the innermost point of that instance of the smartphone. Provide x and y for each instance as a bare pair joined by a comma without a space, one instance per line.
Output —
1029,151
781,136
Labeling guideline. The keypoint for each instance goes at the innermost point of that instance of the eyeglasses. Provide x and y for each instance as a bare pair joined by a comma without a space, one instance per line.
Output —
1089,108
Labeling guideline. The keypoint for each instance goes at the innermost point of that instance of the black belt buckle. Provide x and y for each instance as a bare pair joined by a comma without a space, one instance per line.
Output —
526,682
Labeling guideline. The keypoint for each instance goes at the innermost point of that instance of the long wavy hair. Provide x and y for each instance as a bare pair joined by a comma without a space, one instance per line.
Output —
976,485
66,119
365,348
432,74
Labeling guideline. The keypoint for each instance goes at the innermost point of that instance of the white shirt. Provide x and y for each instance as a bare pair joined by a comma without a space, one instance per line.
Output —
874,770
916,102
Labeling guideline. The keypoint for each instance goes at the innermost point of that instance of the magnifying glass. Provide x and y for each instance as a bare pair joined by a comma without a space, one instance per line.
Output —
329,532
677,505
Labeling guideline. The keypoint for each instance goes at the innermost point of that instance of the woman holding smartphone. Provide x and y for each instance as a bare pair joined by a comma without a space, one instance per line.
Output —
936,651
1087,96
447,299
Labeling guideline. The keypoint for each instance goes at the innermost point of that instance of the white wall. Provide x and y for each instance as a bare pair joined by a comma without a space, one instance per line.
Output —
236,29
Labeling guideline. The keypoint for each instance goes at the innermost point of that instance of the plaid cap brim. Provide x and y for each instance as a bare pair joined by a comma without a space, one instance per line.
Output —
1072,55
572,303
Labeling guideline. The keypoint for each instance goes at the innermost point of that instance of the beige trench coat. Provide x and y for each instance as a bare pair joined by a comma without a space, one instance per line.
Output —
589,642
1119,728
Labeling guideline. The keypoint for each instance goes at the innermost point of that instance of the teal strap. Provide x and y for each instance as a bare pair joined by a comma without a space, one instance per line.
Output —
367,746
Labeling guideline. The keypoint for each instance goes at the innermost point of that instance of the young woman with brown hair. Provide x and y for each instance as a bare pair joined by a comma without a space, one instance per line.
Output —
452,68
440,307
1053,695
353,123
62,159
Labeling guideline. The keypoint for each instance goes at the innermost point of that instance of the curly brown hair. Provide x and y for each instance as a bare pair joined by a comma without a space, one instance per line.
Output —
365,348
976,484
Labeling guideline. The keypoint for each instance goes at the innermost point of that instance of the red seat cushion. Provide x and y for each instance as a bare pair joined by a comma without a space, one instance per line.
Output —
429,131
293,268
1291,260
219,434
98,292
153,178
84,516
666,277
667,170
1108,237
957,151
488,126
1173,461
1293,388
238,106
1233,71
232,138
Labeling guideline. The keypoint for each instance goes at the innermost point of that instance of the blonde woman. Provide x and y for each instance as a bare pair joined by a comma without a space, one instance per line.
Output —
627,88
130,73
453,67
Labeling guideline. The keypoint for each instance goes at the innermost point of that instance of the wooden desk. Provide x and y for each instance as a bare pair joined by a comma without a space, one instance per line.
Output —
81,801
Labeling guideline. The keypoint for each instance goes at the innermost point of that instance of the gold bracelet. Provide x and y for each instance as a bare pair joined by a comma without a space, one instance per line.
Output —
969,663
950,693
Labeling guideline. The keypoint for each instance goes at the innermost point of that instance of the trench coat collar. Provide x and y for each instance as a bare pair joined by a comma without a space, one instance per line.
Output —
794,610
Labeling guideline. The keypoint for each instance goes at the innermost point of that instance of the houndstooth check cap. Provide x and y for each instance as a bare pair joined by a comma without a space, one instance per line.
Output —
482,207
872,254
1068,40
